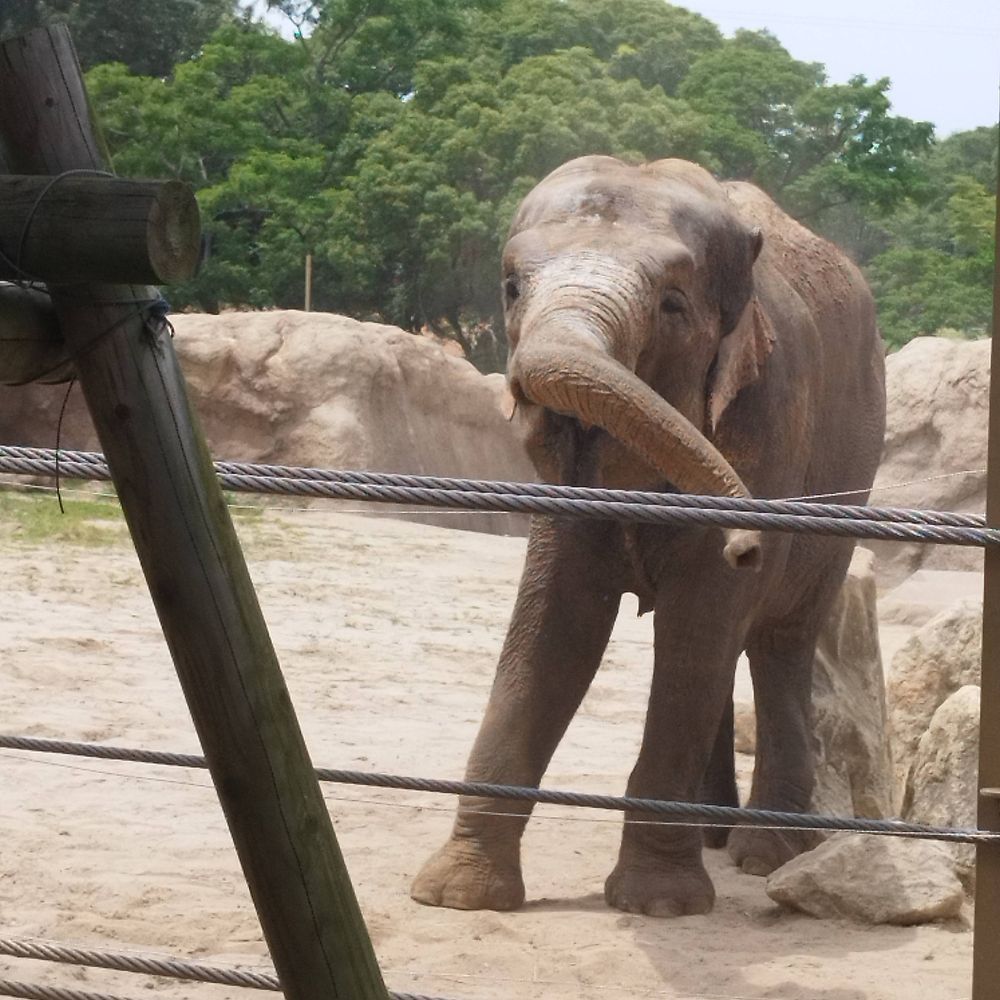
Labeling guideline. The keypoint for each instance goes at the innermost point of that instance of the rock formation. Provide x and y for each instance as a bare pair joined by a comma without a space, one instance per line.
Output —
872,880
937,409
854,773
853,757
316,389
941,657
942,787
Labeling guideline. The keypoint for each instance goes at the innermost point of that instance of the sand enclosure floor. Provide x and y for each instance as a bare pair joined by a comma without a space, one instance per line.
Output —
388,634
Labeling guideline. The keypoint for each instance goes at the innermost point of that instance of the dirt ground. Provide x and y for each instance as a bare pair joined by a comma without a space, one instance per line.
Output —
388,633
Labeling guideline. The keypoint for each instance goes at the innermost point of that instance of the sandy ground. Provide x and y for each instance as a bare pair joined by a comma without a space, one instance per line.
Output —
388,634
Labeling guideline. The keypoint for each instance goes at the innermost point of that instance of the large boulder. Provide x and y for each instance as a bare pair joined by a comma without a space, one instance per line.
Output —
317,389
854,774
938,659
943,785
853,758
871,880
935,442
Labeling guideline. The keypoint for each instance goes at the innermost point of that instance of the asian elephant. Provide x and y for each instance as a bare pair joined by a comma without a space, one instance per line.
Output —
670,332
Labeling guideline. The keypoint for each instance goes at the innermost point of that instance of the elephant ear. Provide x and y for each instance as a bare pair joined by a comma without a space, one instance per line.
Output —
741,358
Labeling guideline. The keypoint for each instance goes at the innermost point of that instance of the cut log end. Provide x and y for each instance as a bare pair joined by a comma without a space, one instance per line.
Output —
174,233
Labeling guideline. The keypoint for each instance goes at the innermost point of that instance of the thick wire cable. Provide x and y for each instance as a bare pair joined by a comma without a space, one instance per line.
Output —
33,991
168,968
800,506
697,812
928,527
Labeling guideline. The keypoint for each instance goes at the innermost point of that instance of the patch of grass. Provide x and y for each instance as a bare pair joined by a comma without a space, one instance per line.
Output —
242,507
35,519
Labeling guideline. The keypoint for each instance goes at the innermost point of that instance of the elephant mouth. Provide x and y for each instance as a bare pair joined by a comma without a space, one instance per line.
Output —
577,453
579,447
581,389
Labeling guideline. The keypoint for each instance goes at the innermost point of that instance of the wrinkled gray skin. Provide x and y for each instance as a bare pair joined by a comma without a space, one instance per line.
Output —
667,331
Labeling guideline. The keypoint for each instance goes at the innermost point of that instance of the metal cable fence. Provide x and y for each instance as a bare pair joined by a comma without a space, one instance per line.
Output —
894,524
812,516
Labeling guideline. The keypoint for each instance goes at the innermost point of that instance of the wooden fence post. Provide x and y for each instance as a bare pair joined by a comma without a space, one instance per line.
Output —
986,953
194,567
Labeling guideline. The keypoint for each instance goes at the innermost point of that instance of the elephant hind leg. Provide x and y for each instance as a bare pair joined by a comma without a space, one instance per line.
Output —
718,787
781,662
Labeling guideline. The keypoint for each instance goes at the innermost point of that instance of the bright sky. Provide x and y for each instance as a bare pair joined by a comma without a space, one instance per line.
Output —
943,57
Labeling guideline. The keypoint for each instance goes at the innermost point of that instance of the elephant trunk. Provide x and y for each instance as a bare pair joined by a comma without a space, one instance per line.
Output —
590,385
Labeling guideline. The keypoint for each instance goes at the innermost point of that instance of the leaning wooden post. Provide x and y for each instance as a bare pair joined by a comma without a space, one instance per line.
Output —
192,561
986,954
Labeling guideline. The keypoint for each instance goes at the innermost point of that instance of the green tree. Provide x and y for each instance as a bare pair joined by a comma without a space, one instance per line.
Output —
434,194
392,139
375,45
645,40
937,270
922,291
151,37
812,145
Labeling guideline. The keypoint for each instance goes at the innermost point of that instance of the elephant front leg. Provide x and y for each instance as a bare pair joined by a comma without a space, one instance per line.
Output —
566,606
660,870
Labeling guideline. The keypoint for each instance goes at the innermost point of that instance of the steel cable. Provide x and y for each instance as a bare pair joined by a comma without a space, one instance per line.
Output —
32,991
810,507
920,526
695,812
168,968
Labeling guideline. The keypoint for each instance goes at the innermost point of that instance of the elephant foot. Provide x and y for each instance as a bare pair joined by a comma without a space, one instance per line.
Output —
660,892
463,876
760,852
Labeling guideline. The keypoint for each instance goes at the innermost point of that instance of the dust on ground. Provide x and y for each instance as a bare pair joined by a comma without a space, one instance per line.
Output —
388,634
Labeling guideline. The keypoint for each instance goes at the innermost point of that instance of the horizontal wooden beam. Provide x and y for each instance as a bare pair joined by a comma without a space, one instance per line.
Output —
80,227
32,348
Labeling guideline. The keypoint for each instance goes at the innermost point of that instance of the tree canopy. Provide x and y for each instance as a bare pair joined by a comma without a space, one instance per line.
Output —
392,139
151,37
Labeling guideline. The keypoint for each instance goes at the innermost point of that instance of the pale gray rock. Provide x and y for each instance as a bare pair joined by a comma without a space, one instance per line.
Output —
744,727
853,758
871,880
927,593
943,785
298,388
941,657
937,404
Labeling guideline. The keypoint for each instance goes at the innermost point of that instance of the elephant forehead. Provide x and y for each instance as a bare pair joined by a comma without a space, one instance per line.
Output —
598,245
607,189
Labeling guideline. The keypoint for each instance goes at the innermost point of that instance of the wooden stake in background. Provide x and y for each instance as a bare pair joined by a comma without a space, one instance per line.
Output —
193,564
309,282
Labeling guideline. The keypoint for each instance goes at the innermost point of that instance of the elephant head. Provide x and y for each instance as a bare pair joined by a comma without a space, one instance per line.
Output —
630,310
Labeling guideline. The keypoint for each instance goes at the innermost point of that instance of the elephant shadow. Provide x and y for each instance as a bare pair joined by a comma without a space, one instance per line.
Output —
717,955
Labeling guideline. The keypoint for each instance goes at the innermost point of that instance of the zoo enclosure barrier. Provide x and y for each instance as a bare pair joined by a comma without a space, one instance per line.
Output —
892,523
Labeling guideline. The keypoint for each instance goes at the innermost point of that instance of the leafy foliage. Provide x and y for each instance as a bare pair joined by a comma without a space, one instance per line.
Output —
937,272
391,140
151,37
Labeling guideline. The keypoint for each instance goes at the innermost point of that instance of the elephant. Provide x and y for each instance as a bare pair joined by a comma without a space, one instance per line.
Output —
670,332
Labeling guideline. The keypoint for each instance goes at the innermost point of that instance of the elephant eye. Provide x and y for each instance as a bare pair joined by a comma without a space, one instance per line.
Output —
673,303
511,290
